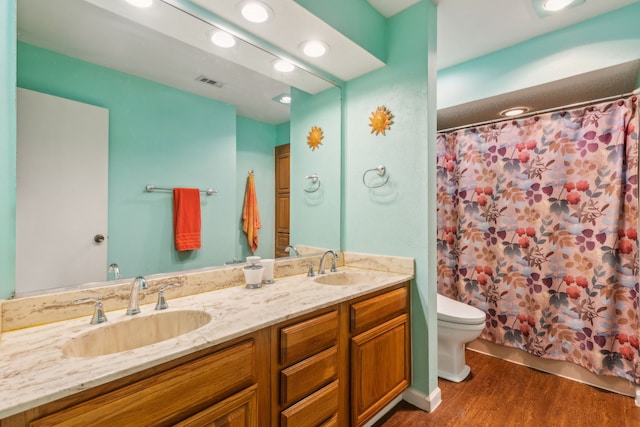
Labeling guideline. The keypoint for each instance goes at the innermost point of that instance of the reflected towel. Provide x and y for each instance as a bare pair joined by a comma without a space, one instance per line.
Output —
186,218
250,214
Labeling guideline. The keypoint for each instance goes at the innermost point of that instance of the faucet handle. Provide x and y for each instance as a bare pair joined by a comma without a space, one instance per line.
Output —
162,302
98,313
310,272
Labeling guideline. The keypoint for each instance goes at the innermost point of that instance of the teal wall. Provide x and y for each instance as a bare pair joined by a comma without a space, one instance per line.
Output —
255,150
600,42
315,217
398,219
160,136
7,148
283,133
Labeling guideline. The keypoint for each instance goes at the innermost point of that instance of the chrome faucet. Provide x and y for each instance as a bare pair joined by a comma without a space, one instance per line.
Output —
138,284
292,251
334,255
115,269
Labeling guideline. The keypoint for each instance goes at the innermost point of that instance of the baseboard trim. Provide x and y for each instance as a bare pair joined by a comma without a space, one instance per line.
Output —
556,367
422,401
383,412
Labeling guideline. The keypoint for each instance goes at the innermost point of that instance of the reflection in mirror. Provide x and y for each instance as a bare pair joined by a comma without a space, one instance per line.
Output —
168,128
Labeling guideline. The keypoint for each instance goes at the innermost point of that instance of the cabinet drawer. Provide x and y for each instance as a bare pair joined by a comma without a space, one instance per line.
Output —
307,376
309,337
169,396
314,410
373,311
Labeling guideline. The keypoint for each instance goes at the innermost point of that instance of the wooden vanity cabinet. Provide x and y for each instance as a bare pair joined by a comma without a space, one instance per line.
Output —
336,366
380,348
221,386
308,380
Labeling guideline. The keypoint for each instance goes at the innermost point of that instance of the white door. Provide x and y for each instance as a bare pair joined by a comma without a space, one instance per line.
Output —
62,192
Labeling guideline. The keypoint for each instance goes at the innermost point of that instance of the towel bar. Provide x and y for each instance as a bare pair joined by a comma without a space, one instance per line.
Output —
151,188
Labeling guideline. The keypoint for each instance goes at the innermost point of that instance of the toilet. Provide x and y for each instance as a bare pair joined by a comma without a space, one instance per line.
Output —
458,324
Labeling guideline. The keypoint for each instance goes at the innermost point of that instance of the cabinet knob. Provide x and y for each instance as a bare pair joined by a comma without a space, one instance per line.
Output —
98,238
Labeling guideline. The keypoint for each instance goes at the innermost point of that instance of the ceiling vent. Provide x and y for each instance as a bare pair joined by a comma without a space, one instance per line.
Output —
207,80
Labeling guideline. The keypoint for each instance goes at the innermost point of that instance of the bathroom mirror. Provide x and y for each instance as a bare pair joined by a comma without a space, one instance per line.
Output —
175,126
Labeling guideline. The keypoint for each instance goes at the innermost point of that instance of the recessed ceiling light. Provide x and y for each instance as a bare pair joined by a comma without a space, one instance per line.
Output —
256,12
511,112
222,38
283,66
546,8
141,3
314,48
556,5
284,98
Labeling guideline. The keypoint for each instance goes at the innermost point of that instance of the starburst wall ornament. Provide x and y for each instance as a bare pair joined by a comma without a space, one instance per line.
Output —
380,120
314,140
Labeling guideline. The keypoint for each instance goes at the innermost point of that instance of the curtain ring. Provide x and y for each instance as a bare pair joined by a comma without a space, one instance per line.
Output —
381,171
314,181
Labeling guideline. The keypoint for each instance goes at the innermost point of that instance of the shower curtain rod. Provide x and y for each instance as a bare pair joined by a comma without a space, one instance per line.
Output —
548,110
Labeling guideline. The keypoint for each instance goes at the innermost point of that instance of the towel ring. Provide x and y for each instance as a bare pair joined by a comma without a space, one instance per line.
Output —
314,181
381,171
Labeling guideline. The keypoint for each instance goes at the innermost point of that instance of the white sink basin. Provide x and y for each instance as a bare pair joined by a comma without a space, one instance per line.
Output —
344,278
135,332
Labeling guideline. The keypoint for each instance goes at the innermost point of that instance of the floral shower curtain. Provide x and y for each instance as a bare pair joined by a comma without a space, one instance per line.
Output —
538,227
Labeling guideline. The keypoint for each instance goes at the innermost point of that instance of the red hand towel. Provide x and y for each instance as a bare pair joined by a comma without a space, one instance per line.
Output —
186,218
250,214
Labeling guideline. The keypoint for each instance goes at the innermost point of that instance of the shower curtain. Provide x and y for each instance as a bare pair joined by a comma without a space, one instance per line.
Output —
538,227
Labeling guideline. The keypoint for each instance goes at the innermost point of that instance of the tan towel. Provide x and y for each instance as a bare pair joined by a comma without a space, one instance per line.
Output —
250,214
186,218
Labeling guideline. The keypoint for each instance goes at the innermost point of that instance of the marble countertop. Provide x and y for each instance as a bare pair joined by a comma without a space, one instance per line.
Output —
33,370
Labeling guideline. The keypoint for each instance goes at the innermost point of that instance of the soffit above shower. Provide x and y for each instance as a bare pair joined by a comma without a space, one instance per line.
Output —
468,29
609,81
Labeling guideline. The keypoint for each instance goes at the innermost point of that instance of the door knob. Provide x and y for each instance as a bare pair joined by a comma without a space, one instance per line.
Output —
98,238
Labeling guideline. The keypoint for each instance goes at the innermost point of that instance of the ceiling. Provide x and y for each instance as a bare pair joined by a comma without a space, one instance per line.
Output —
168,46
468,29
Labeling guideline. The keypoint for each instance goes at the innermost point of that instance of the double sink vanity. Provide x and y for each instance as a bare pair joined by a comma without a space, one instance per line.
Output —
333,349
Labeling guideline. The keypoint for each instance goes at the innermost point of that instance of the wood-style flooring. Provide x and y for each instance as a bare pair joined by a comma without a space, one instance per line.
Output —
498,393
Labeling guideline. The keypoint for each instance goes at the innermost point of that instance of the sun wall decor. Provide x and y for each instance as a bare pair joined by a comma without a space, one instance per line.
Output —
381,120
314,140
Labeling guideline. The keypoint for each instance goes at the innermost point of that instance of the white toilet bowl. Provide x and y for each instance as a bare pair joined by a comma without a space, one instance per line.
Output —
458,324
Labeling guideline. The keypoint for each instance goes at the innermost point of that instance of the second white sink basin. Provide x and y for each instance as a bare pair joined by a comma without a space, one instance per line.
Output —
135,332
344,278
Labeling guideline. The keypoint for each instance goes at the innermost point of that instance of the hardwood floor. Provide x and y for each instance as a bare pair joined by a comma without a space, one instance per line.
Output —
499,393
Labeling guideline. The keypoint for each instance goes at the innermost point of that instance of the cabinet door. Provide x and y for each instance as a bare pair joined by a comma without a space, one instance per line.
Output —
372,388
239,410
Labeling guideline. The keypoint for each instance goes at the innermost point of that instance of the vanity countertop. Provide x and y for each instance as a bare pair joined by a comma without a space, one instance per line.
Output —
33,370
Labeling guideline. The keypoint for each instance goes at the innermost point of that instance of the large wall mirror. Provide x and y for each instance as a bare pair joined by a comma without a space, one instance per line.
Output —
181,112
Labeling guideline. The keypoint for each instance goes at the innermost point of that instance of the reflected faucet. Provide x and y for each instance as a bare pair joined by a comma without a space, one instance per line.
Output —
334,256
292,251
138,284
115,269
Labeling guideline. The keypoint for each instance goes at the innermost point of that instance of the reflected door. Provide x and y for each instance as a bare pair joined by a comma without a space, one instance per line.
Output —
282,156
62,192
